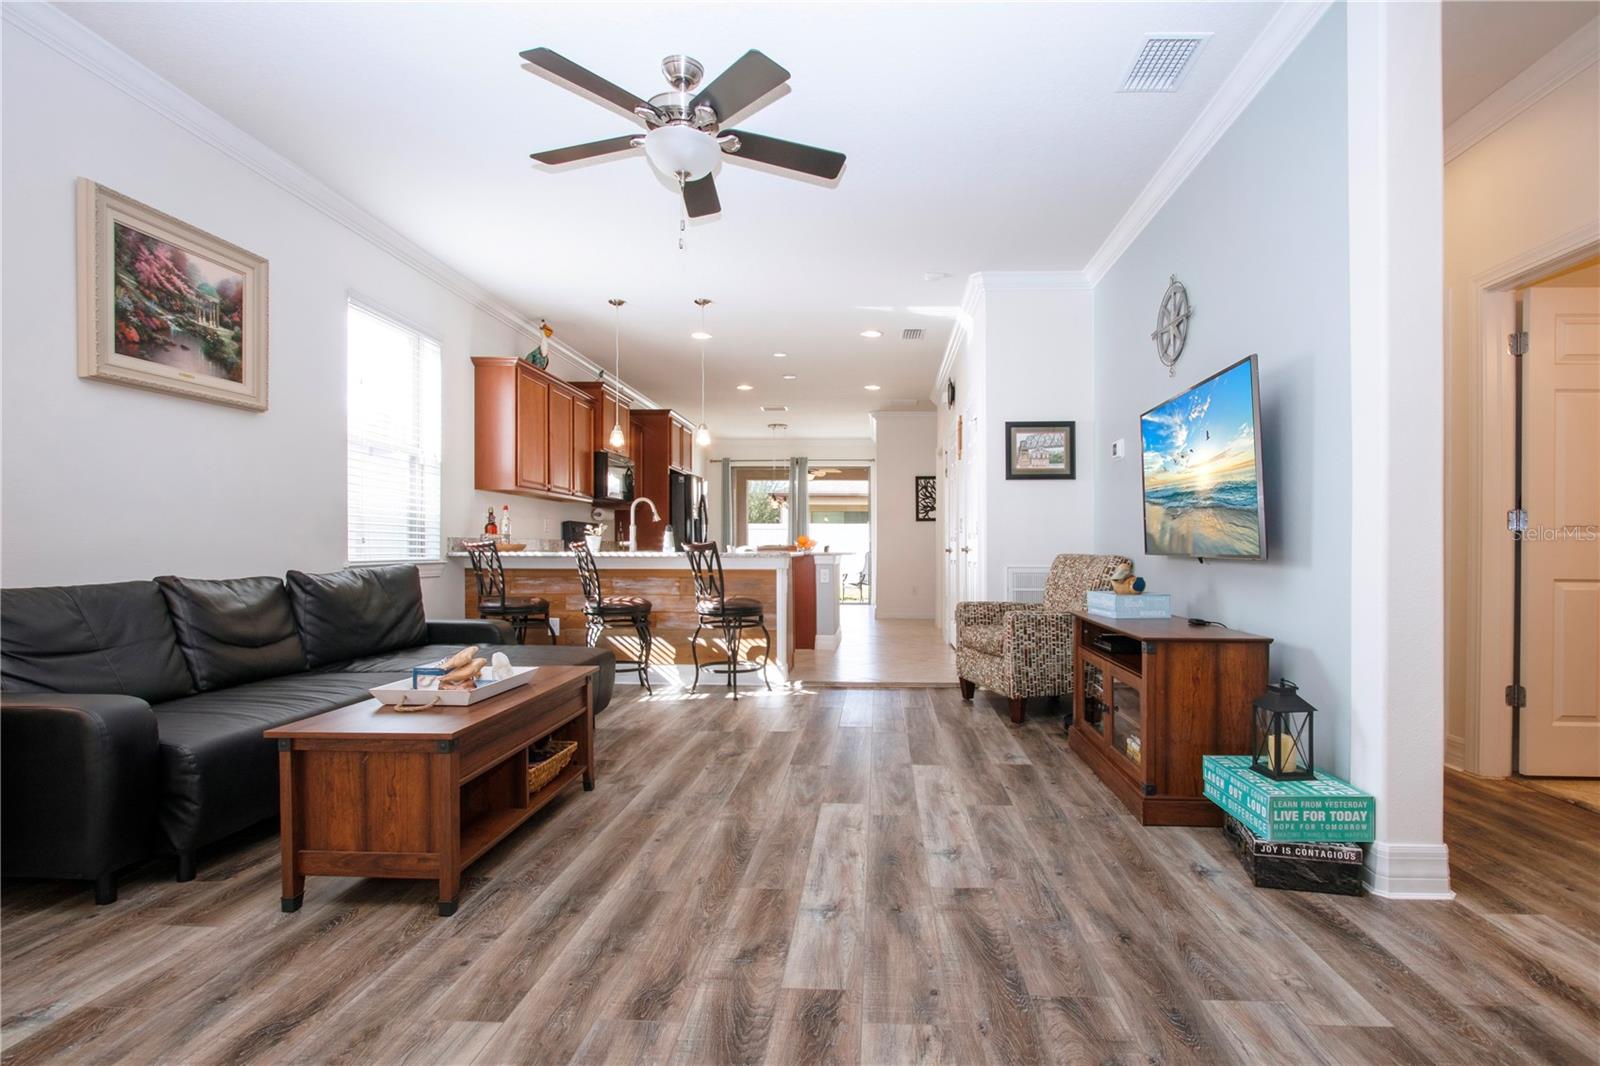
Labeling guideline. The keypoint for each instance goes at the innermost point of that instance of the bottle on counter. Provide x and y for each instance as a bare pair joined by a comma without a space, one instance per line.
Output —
489,527
505,522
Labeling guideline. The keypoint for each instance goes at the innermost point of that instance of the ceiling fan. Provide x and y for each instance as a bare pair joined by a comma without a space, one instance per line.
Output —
684,137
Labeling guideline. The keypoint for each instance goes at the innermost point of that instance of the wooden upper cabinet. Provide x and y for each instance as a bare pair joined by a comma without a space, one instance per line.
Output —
608,411
533,429
534,433
583,446
560,446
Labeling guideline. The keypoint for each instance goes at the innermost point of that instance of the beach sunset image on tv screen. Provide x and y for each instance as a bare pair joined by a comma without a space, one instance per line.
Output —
1202,484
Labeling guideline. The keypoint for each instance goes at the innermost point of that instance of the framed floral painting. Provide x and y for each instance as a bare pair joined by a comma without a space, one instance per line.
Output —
165,306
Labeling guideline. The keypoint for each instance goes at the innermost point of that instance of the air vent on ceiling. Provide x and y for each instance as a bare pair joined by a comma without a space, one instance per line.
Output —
911,334
1162,62
774,408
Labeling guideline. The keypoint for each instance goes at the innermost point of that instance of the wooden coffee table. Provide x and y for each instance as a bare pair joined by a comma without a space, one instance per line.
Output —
367,791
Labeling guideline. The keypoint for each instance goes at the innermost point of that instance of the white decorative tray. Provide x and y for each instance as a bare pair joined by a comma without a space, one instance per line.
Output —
397,692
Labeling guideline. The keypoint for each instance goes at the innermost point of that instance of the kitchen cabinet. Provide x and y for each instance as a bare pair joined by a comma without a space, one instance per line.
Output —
533,433
609,409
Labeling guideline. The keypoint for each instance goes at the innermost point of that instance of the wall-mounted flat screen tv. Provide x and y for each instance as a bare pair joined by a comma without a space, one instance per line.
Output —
1202,470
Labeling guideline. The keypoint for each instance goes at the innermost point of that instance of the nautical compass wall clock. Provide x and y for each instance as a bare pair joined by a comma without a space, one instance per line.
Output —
1172,324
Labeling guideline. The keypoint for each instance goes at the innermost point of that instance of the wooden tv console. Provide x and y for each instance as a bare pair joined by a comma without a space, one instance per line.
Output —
1144,712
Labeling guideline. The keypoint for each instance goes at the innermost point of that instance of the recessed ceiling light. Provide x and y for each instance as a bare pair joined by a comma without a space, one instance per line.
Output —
700,335
745,388
780,355
935,275
872,334
872,388
790,377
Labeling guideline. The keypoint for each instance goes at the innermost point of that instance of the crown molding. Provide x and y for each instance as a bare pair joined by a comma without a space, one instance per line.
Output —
1031,280
1547,74
68,37
1276,42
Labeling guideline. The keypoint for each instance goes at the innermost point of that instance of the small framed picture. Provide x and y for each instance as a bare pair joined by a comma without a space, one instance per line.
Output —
1041,451
927,497
164,305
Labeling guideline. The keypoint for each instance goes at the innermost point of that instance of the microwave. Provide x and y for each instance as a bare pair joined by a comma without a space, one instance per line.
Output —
613,477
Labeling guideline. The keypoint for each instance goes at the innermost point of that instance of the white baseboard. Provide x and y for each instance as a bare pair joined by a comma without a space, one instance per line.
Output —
827,641
1408,871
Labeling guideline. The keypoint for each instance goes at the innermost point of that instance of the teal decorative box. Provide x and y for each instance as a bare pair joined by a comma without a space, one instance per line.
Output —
1116,605
1326,809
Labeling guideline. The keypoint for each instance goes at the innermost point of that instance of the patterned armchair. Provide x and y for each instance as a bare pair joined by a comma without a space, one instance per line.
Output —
1025,649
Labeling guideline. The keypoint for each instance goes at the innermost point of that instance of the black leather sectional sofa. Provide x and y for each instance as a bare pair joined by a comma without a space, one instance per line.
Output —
131,713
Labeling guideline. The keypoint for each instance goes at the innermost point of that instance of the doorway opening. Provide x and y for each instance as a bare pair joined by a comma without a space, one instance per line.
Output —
1533,709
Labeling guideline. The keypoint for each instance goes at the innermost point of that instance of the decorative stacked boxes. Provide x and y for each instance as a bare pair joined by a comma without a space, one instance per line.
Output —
1305,835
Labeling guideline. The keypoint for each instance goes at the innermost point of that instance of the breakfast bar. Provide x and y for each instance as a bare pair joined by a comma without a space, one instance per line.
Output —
665,580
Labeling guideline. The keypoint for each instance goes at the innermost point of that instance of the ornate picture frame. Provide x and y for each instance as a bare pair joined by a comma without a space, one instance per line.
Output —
163,305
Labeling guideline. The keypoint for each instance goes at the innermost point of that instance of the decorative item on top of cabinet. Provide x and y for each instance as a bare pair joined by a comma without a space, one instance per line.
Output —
533,432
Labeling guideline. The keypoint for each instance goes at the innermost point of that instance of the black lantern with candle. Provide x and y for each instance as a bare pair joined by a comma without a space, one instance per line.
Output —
1283,747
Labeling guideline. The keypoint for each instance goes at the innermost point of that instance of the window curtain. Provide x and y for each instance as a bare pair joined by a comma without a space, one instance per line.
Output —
726,509
800,506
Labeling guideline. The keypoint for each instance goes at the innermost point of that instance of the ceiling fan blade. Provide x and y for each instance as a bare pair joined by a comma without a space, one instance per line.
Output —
700,197
751,77
585,82
818,162
610,146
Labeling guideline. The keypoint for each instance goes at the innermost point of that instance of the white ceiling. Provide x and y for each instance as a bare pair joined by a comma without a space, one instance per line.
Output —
1487,44
979,136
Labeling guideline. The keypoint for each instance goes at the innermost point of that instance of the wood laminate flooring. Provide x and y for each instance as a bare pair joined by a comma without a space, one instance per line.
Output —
879,653
886,876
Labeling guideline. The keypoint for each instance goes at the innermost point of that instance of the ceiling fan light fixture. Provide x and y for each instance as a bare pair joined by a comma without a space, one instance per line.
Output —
679,151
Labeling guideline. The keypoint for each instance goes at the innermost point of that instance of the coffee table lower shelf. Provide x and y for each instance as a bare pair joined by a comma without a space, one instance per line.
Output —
368,792
485,831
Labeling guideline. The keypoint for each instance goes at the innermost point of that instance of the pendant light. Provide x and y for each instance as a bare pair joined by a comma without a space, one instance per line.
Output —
617,440
702,435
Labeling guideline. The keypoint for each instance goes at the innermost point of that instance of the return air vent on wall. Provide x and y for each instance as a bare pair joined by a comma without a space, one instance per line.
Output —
1162,62
911,334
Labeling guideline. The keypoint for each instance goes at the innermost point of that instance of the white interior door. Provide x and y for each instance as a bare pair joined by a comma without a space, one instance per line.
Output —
1560,725
950,505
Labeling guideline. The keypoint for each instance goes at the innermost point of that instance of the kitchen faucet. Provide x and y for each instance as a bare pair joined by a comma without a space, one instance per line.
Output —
633,520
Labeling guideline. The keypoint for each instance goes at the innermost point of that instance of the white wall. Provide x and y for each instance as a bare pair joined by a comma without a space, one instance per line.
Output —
1040,367
105,483
906,551
1259,235
1499,206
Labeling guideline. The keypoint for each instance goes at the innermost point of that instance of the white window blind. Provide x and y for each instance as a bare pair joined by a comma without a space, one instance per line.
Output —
393,400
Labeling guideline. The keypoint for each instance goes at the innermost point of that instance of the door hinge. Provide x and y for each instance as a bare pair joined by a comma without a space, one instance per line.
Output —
1517,520
1517,343
1516,696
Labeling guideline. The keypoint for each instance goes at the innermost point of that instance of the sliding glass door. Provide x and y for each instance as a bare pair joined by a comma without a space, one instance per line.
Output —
839,518
760,504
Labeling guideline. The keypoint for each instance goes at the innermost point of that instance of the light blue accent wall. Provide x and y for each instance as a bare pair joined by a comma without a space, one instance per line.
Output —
1259,233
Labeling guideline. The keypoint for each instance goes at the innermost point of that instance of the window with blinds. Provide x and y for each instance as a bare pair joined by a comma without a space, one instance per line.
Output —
393,400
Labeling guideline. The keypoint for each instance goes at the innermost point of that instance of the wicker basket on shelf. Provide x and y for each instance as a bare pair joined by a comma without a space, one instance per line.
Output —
547,760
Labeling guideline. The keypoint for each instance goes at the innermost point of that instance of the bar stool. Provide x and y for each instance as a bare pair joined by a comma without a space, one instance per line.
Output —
492,600
612,612
731,614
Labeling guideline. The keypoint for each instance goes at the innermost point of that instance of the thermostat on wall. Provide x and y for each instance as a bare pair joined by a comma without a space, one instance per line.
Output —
1116,448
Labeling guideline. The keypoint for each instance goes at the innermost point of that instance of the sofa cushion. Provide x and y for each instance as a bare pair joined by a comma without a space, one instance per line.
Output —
234,631
113,638
989,639
219,774
361,611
